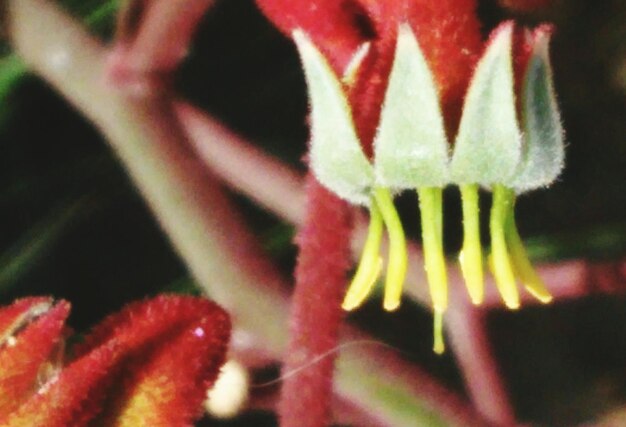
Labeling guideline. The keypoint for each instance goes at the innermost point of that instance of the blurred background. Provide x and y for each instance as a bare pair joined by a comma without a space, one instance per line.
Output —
73,226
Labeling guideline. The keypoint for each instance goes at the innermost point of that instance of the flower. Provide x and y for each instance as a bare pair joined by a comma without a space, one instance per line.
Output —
510,146
503,144
149,364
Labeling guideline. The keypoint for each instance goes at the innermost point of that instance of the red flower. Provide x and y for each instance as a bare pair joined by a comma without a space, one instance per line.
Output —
448,31
395,101
149,364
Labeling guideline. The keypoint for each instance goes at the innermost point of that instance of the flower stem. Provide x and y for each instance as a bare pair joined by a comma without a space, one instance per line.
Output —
522,265
397,260
500,262
316,314
370,264
471,256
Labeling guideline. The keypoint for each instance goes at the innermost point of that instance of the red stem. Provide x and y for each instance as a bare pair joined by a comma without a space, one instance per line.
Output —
316,314
165,33
153,37
243,165
324,239
468,337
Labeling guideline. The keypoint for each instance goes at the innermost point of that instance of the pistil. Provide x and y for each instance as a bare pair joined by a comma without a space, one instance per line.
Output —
430,202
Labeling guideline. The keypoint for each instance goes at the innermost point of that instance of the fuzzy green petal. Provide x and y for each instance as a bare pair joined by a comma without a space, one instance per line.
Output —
488,145
544,150
411,149
336,156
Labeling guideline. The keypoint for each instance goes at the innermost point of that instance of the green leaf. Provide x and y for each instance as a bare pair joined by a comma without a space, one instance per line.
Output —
488,145
336,156
96,14
604,242
544,150
411,148
38,241
11,70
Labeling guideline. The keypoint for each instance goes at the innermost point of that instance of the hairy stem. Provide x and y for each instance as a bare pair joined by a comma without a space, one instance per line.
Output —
316,314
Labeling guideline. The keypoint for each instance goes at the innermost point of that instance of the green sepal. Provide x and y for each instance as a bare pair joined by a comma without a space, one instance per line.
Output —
336,156
488,145
411,148
543,151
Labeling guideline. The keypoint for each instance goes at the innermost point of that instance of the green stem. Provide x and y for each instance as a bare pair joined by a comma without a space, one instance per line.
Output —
397,260
471,256
521,263
500,261
370,264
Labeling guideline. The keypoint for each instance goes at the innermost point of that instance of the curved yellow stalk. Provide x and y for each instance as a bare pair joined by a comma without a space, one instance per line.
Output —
370,264
521,264
471,256
500,261
397,260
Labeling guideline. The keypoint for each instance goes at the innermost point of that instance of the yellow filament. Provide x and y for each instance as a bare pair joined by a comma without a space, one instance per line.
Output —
434,259
397,259
500,262
521,264
471,257
370,264
438,345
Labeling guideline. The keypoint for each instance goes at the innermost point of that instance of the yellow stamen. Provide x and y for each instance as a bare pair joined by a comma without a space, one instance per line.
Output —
521,264
434,259
471,256
438,345
370,264
500,262
397,260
